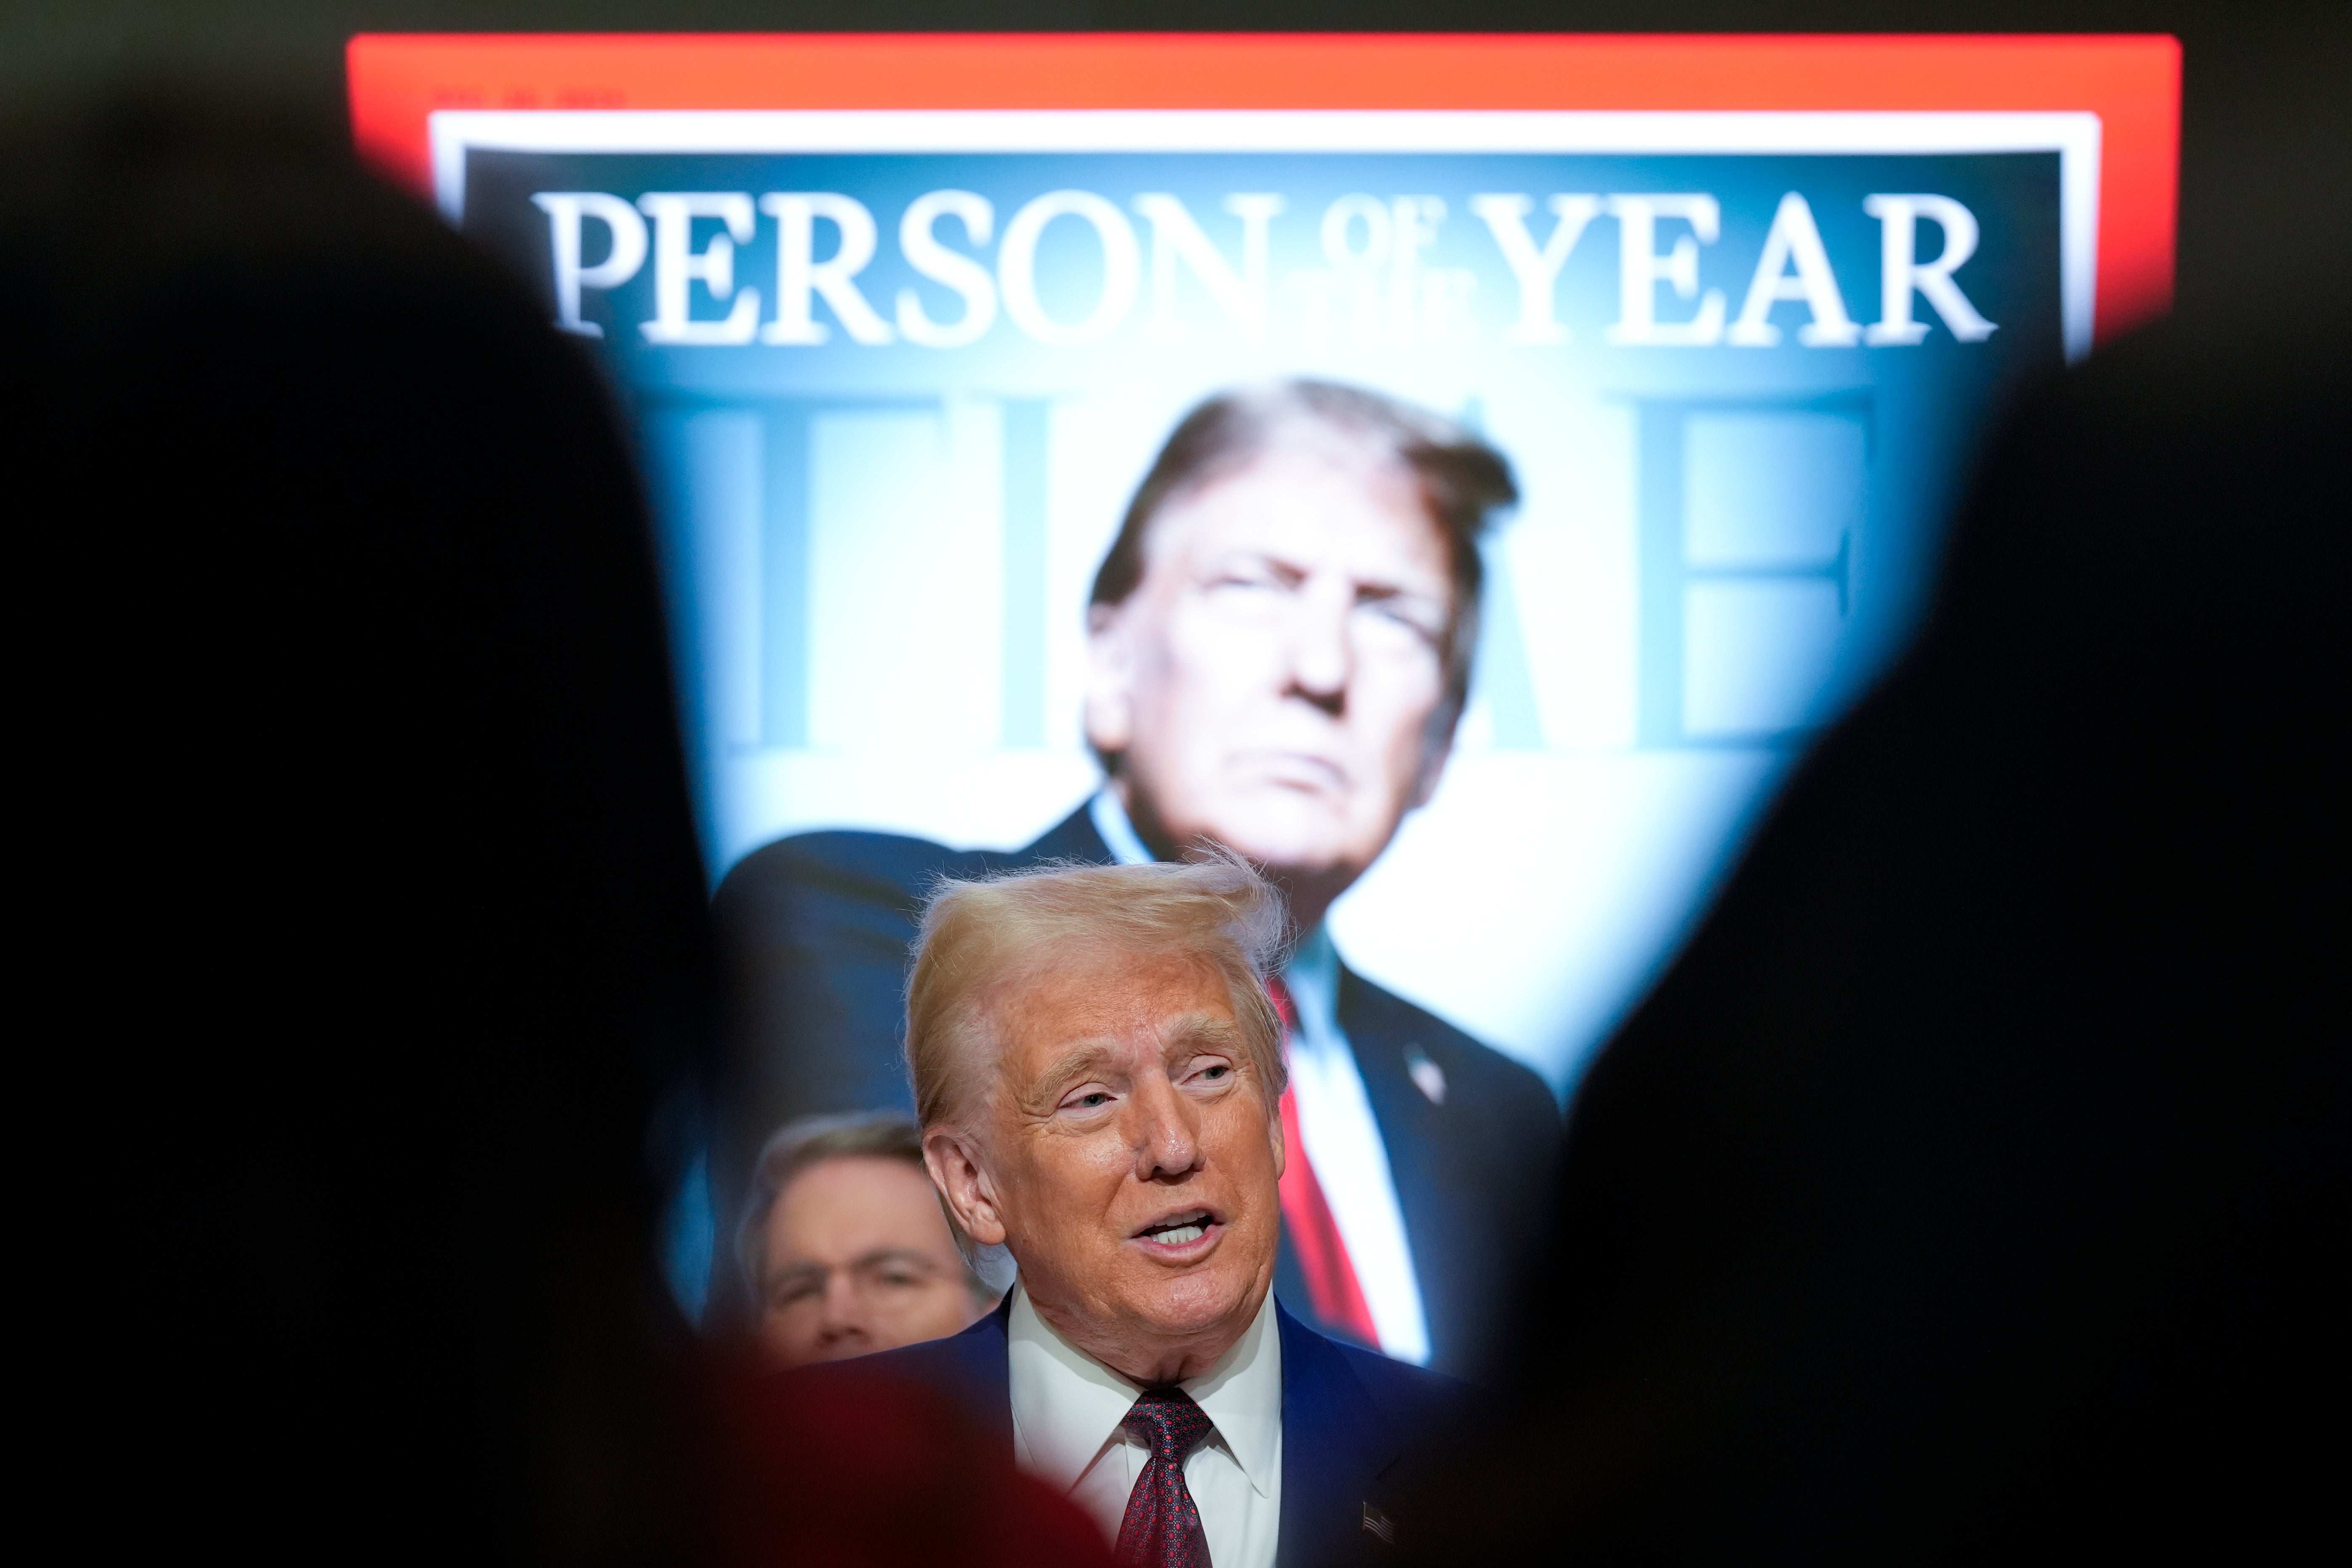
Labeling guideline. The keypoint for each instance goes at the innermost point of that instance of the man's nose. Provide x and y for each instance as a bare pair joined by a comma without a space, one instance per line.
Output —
1167,1145
845,1309
1320,657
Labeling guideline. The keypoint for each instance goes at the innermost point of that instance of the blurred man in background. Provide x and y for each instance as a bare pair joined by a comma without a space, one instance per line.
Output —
1279,649
846,1245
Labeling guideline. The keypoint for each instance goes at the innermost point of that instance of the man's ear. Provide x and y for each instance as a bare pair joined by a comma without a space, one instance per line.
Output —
967,1188
1110,678
1281,1149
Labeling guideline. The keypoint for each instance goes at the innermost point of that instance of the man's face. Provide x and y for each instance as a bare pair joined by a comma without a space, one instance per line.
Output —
1127,1153
1273,680
859,1258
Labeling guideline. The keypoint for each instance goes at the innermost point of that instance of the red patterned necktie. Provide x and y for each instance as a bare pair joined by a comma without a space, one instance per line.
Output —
1162,1527
1333,1292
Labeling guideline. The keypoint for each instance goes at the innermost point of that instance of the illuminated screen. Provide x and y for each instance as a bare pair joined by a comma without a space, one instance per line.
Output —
898,353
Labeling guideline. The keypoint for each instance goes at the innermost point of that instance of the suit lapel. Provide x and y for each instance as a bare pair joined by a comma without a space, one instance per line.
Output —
1336,1441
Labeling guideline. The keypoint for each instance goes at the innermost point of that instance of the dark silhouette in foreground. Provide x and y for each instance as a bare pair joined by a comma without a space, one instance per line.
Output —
1974,1182
357,845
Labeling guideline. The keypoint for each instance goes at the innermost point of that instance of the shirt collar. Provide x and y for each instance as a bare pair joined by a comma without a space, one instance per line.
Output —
1118,834
1243,1395
1066,1405
1313,977
1313,984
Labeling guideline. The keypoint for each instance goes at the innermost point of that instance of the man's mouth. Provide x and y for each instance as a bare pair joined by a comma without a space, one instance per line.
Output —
1179,1230
1298,769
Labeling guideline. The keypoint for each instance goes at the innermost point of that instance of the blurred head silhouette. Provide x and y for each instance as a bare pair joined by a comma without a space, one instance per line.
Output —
363,758
365,859
1956,1191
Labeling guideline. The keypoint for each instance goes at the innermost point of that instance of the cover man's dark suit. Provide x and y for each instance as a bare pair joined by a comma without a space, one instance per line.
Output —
819,928
1361,1433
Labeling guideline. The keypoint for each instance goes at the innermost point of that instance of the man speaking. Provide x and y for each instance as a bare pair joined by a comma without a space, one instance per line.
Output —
1097,1067
1280,644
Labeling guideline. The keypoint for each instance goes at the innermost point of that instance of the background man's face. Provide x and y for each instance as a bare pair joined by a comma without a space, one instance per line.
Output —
859,1258
1134,1154
1272,681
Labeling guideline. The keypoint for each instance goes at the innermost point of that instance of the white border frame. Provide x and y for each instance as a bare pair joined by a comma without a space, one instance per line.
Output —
2073,136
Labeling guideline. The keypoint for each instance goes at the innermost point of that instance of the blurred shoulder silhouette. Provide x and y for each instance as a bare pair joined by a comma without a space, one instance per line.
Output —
364,873
1968,1186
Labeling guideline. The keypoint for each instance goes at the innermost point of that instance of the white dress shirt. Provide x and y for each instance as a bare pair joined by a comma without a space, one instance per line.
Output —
1068,1430
1335,1122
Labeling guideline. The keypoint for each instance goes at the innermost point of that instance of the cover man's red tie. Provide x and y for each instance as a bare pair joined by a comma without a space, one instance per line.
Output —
1332,1289
1162,1526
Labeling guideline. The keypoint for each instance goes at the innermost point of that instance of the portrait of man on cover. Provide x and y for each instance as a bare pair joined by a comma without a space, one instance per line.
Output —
1279,648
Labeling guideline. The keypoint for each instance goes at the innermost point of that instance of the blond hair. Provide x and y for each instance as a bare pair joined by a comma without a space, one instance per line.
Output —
980,937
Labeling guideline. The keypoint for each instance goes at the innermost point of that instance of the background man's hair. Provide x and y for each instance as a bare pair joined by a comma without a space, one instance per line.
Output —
980,939
811,1141
1463,482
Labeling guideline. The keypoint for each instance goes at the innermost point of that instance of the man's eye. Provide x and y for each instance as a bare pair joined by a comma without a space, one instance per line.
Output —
1395,615
1244,577
1092,1101
1212,1074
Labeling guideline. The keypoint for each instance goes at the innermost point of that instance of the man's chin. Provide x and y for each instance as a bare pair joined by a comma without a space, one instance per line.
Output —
1181,1308
1290,837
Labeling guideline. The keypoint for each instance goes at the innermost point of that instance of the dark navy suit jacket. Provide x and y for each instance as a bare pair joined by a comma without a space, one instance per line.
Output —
1358,1430
818,929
